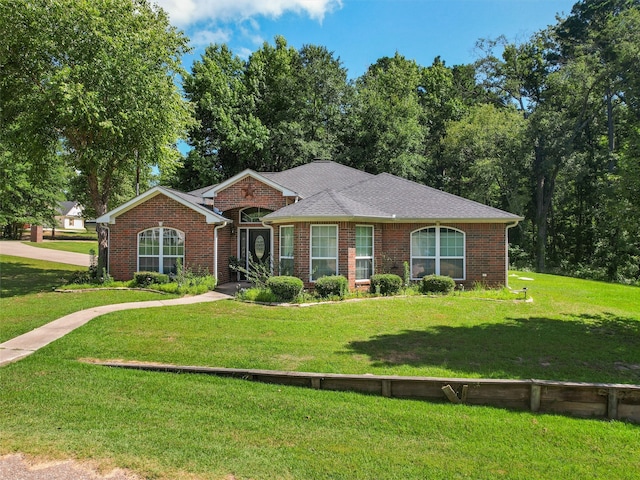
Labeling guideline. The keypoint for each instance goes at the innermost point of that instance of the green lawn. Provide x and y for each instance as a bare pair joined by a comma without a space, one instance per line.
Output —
27,300
76,246
179,426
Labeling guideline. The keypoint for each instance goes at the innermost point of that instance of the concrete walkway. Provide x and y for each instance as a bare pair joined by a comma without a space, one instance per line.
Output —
18,249
24,345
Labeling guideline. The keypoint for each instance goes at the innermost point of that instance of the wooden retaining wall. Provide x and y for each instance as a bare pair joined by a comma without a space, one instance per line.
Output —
587,400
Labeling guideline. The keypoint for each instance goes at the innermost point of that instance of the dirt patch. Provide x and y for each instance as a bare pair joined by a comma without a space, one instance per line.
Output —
19,466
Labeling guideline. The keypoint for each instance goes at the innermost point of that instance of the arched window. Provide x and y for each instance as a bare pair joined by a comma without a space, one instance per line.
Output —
159,249
253,214
438,250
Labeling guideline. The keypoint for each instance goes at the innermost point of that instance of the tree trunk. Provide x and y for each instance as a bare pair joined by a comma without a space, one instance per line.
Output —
98,199
540,224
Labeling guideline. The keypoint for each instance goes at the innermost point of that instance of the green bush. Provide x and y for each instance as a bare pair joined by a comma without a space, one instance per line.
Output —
255,294
385,284
285,288
437,284
332,286
145,279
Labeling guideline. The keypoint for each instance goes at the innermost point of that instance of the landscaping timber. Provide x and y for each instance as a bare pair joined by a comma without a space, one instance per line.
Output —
586,400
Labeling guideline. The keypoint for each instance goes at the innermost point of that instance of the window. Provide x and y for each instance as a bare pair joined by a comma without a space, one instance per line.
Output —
437,250
324,251
286,250
253,214
364,252
159,249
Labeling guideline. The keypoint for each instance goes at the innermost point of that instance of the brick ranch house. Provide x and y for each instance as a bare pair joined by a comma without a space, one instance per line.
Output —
321,218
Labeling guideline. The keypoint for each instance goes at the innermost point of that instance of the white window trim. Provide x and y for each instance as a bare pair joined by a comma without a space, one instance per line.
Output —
438,257
266,211
280,256
312,258
160,255
372,257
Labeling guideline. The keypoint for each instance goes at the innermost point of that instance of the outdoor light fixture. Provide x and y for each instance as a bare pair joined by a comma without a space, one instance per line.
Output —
525,292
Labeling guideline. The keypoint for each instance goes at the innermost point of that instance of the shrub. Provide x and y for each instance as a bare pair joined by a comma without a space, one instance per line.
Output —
144,279
264,295
437,284
385,284
285,288
330,286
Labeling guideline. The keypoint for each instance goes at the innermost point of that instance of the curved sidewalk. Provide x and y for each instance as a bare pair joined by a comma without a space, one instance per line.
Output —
24,345
18,249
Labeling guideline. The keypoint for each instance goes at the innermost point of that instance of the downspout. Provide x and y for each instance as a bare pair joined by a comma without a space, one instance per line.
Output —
506,251
215,248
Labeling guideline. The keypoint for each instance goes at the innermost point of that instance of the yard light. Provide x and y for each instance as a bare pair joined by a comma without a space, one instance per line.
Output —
525,292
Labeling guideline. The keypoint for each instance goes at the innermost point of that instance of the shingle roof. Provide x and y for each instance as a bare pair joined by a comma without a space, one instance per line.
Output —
328,204
329,190
387,197
65,207
308,179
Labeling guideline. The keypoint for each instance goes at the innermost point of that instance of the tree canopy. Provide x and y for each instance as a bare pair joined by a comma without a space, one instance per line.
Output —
98,79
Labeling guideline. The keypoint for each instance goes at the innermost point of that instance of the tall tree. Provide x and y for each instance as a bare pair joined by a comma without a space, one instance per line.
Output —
100,76
228,134
281,108
557,97
386,130
489,155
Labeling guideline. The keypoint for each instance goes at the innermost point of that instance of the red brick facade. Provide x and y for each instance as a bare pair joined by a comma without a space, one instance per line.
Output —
485,243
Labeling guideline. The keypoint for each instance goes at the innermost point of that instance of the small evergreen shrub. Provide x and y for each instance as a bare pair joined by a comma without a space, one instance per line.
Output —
332,286
145,279
285,288
437,284
385,284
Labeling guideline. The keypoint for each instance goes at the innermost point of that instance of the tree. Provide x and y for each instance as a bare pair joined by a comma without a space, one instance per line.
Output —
281,108
489,156
386,131
228,135
558,98
98,76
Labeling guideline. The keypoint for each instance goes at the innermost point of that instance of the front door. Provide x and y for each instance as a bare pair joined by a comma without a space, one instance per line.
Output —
255,248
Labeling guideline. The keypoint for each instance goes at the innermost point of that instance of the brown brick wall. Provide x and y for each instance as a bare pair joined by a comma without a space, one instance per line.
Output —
123,235
485,243
485,249
248,192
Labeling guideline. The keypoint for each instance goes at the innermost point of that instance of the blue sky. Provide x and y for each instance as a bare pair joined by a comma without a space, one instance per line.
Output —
361,31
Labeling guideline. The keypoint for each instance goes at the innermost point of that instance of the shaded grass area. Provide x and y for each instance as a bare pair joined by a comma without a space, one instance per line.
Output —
22,276
194,426
75,246
27,300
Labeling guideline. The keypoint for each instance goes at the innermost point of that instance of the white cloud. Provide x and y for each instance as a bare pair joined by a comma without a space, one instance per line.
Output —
244,53
205,37
187,12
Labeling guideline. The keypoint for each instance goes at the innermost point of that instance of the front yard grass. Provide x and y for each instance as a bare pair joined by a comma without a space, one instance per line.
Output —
27,300
200,427
75,246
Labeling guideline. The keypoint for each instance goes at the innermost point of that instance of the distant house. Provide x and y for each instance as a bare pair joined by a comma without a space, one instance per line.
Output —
69,216
321,218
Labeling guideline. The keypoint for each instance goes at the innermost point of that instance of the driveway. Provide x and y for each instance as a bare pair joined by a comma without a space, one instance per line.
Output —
18,249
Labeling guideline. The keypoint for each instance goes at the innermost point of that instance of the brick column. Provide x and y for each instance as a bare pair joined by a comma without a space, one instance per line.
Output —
36,233
351,268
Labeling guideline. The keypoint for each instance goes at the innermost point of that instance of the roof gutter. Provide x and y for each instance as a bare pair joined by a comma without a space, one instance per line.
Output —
389,219
215,247
506,250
